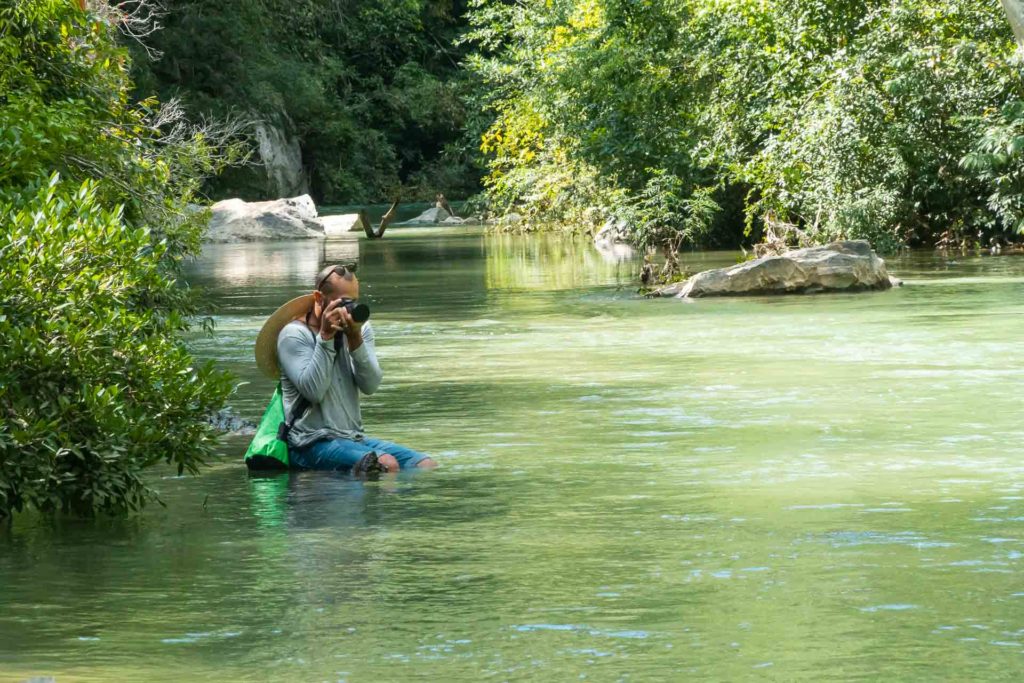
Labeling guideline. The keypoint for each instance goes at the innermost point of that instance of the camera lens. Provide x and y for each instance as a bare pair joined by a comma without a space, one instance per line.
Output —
359,312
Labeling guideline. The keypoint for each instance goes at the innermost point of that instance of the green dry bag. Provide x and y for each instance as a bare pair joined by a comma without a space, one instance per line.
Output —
269,447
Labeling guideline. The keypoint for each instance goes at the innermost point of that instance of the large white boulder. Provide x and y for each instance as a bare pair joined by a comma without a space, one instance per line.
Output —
614,231
1015,14
339,225
841,266
234,220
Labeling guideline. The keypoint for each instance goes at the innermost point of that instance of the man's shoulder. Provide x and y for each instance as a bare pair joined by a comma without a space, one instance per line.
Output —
296,330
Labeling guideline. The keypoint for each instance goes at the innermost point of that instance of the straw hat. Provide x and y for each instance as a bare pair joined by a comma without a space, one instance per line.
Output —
266,341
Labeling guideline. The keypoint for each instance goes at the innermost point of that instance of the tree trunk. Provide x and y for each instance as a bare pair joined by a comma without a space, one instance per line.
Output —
671,267
1015,14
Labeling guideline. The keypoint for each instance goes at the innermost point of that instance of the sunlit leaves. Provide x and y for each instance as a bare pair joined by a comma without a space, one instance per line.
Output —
847,117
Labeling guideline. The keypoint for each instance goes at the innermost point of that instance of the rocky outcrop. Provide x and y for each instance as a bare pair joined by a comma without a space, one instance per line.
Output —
1015,15
282,161
840,266
234,220
612,232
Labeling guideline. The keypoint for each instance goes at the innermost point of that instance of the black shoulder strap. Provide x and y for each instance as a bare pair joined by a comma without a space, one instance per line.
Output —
299,409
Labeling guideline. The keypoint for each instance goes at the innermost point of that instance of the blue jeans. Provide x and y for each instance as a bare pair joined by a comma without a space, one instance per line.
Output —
342,454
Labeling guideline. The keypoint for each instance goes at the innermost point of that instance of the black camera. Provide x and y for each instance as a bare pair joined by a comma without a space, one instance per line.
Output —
359,312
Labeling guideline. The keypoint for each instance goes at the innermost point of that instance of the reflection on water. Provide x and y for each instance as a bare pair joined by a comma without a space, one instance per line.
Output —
549,262
803,488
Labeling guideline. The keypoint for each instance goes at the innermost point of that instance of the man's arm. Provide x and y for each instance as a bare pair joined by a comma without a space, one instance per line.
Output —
306,363
365,367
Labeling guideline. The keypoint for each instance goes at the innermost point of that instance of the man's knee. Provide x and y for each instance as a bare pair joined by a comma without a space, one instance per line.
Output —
388,461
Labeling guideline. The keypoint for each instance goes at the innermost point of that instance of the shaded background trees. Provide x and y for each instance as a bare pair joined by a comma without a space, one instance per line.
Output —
370,91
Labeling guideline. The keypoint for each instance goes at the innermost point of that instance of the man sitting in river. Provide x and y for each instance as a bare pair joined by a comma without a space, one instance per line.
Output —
328,358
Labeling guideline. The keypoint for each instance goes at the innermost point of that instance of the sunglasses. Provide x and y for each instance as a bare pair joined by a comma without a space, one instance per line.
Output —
347,272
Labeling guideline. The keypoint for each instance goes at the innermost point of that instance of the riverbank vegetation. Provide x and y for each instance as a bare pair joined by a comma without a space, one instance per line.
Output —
95,383
699,123
897,122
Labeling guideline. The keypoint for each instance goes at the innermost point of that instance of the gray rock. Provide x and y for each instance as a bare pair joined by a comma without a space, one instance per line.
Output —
611,242
612,232
840,266
282,160
453,220
1015,14
234,220
431,216
225,420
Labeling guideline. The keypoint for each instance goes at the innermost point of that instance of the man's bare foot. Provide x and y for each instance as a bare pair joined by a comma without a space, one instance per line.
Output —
369,467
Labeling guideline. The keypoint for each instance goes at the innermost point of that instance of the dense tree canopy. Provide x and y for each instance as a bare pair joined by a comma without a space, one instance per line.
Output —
892,121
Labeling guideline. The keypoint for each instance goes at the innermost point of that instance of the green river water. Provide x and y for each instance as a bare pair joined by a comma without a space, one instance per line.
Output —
805,488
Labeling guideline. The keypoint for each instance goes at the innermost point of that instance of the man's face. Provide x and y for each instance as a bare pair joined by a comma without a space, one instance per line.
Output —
336,287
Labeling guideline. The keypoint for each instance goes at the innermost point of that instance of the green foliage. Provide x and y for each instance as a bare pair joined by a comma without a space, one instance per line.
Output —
95,384
997,159
666,215
371,90
848,118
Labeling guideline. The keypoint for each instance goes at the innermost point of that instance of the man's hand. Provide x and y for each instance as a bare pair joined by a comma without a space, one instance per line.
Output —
336,318
352,330
330,319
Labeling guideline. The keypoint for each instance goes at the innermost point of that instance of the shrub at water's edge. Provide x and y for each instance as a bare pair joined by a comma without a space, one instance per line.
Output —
888,121
95,382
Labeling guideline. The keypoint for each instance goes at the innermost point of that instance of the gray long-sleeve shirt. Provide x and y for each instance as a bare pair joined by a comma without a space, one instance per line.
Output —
331,381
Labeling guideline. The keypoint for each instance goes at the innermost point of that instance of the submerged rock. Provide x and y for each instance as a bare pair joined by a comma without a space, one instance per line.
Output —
234,220
841,266
225,420
431,216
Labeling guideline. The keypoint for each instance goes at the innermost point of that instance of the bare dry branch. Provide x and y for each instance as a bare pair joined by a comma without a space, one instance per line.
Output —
135,19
